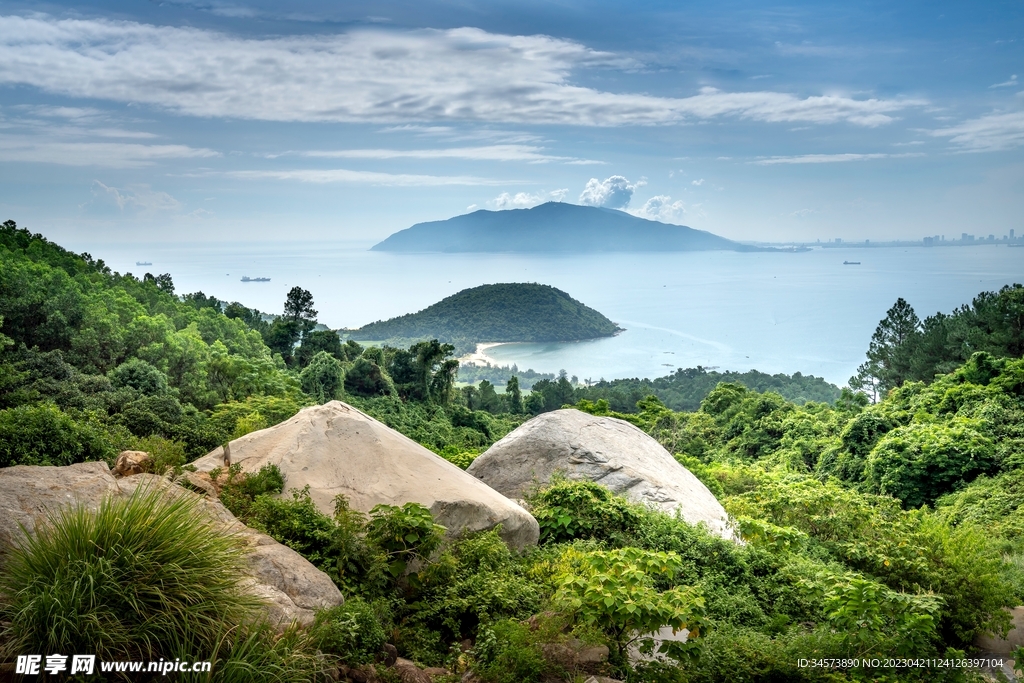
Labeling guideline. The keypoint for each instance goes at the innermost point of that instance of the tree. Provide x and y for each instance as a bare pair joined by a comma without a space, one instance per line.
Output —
250,316
282,337
891,351
199,300
315,342
323,377
489,399
366,378
163,282
298,308
514,396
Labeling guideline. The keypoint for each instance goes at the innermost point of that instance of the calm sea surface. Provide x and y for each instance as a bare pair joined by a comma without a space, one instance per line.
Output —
775,312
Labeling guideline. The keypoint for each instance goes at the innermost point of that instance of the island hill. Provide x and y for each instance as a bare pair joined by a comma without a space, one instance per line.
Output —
513,312
554,227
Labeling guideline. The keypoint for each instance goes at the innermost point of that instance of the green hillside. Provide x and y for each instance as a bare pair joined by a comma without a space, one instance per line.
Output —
514,312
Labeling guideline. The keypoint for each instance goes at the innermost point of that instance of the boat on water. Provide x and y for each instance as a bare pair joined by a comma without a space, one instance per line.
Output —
851,263
143,263
246,278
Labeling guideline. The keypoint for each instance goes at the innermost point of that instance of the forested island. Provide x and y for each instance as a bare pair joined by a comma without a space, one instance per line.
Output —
885,522
554,227
512,312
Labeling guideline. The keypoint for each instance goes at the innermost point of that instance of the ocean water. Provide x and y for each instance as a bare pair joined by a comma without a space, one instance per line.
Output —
774,312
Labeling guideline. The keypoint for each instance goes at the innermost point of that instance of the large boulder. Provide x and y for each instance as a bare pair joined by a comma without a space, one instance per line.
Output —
292,588
335,449
605,450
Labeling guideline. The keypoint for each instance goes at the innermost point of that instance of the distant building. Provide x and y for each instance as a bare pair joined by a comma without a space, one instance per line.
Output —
929,241
839,240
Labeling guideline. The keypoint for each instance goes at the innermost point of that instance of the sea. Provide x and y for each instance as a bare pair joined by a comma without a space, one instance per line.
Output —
785,312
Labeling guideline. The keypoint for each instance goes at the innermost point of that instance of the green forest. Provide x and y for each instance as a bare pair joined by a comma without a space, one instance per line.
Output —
881,522
514,312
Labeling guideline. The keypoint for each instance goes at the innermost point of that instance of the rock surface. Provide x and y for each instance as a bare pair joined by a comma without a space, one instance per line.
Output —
1014,638
605,450
131,462
292,587
336,449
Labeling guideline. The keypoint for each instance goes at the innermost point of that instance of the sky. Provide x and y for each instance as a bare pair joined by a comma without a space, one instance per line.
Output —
225,120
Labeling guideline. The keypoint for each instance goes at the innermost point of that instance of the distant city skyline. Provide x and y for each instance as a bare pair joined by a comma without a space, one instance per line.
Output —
248,120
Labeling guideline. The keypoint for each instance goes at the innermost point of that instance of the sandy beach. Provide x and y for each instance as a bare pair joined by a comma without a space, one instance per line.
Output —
480,357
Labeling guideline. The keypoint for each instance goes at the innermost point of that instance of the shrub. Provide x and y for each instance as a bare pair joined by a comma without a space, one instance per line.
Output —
508,652
405,533
273,410
354,631
921,462
241,490
323,377
614,591
569,510
43,435
144,577
139,375
298,524
249,423
475,580
166,454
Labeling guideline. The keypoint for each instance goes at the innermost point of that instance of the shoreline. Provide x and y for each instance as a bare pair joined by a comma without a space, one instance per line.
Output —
479,356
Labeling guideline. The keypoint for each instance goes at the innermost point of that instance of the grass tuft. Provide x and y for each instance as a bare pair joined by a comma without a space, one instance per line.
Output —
143,577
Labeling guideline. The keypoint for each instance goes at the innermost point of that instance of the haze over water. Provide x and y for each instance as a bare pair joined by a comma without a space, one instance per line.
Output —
774,312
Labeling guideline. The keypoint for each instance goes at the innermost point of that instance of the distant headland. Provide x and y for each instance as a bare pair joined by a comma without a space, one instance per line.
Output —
508,312
554,227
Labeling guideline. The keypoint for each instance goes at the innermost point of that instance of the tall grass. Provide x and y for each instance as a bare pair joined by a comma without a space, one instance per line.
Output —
144,577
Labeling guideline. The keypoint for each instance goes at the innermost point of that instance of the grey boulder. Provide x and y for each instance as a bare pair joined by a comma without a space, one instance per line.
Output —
605,450
291,587
336,449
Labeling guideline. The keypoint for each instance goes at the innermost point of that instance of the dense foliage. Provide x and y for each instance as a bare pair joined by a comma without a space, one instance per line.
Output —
685,388
871,529
905,348
502,312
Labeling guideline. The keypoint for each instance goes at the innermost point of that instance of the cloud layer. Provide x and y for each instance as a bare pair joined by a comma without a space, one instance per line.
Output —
990,133
830,158
463,74
101,154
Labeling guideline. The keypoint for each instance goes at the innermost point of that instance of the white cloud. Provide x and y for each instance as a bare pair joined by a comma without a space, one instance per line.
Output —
101,154
697,183
1012,83
661,208
139,198
525,200
802,213
830,158
613,192
341,175
371,75
527,153
990,133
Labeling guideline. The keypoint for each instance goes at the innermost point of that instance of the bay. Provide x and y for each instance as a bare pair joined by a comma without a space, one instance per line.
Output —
774,312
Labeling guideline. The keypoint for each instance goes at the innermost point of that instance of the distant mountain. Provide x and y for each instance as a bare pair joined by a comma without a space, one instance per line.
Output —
553,227
493,313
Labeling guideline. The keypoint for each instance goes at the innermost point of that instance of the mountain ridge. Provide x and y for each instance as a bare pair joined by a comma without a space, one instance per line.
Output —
553,227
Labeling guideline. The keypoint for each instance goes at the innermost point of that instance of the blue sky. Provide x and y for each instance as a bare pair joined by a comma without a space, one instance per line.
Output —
223,120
